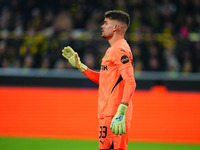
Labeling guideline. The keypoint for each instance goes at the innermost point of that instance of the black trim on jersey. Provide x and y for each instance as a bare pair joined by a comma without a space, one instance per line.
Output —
118,81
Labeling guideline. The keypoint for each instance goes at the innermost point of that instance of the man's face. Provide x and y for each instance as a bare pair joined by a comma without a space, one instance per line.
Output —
107,28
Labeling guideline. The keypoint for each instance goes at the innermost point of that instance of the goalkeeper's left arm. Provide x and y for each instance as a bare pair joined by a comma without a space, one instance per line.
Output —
118,125
74,60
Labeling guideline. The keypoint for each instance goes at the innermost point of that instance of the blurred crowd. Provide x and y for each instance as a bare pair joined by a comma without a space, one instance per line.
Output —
164,34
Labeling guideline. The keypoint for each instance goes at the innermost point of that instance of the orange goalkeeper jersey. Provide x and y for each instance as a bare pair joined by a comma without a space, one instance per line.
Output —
116,80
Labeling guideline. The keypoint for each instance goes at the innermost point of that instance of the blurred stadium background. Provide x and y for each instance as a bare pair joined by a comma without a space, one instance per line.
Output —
45,104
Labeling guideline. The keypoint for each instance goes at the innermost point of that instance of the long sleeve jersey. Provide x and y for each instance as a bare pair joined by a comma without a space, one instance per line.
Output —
116,80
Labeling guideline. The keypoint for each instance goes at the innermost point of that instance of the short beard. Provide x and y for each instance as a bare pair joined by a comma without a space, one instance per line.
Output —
105,37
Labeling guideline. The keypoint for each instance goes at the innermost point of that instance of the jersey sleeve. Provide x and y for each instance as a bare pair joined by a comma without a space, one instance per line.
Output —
130,85
92,75
123,59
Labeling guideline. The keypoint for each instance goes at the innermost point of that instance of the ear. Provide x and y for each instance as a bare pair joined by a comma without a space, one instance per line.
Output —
116,27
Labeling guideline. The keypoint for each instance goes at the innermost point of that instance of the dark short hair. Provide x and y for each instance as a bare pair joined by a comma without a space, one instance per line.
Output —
118,15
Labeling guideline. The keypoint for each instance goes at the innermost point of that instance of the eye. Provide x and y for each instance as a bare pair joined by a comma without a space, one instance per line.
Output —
105,22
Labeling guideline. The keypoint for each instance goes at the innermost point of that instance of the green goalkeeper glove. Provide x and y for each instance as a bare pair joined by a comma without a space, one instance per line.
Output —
118,122
73,58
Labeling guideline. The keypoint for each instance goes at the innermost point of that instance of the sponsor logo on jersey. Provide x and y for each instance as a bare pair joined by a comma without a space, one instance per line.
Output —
104,67
124,59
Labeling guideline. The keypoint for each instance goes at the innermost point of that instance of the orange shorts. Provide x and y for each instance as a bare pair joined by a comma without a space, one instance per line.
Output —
108,140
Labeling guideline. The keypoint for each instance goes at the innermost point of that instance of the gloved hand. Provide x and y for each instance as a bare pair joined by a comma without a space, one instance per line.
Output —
73,58
118,122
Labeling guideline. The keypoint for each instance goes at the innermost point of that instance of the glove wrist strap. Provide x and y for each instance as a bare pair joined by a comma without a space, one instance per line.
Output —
122,109
82,67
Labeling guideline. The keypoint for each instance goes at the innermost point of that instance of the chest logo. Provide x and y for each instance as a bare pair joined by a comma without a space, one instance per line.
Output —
124,59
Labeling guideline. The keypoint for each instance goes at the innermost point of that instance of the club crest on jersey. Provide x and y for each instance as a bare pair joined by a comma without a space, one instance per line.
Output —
124,59
105,55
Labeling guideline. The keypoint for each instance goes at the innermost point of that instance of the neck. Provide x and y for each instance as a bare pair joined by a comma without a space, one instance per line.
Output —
115,38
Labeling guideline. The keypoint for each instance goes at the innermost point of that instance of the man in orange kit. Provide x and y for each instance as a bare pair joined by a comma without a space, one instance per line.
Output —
116,82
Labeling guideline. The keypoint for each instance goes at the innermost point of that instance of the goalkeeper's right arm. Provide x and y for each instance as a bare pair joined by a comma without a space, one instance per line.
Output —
74,60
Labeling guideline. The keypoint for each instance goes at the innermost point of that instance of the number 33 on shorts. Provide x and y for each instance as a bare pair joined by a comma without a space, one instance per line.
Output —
102,132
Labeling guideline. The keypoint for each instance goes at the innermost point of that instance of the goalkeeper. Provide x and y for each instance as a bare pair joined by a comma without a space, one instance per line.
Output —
116,82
